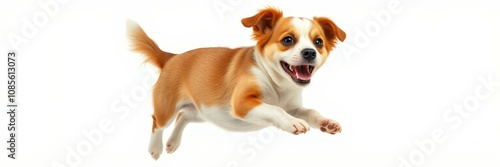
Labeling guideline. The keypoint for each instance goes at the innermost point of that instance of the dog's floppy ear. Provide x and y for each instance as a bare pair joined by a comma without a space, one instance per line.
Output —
331,30
263,21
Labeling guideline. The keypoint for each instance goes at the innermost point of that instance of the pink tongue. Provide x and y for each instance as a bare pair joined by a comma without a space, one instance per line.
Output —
302,72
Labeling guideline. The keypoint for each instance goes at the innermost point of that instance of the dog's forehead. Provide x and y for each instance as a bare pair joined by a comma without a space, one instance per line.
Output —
302,25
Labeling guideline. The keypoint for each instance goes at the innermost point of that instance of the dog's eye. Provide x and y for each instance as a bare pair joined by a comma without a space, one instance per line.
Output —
287,41
318,42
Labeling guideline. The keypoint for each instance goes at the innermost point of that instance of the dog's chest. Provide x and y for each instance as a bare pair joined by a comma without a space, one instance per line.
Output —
221,115
273,94
286,100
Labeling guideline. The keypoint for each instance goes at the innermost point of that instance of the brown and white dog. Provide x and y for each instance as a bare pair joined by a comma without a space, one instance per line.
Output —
241,89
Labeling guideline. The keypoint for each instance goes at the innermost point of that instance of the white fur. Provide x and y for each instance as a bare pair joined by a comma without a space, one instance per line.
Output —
221,116
266,114
155,144
287,98
189,114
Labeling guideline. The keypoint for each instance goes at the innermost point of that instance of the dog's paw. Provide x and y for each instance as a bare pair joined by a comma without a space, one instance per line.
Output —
294,126
172,145
330,126
155,150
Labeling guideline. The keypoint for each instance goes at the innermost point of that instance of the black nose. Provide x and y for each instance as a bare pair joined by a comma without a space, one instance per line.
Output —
308,54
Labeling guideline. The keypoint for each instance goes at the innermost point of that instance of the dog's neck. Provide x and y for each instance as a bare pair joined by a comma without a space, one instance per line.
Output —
278,82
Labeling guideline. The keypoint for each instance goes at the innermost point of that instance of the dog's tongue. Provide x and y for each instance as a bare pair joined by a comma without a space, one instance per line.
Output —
302,72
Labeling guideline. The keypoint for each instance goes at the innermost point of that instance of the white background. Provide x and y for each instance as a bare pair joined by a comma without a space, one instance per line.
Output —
76,71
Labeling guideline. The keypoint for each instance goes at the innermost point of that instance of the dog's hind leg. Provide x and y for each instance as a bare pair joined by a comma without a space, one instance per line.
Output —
186,115
164,110
155,143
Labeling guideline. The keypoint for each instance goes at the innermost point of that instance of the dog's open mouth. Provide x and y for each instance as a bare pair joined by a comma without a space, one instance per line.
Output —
301,74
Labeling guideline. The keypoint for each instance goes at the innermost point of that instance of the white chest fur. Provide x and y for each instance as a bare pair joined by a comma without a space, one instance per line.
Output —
272,95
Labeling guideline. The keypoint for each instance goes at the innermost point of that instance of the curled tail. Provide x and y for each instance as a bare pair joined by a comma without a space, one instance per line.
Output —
143,44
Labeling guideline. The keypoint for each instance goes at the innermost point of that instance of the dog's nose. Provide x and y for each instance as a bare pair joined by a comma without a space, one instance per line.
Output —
308,54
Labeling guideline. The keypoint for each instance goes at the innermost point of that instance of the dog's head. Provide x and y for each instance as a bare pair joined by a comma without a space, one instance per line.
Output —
292,48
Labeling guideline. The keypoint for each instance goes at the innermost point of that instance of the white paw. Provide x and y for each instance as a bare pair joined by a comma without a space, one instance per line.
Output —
294,125
155,149
172,145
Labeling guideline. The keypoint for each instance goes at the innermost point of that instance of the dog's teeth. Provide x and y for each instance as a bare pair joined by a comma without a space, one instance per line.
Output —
290,67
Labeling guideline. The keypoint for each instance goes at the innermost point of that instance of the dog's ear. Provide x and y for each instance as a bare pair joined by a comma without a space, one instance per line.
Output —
263,21
331,30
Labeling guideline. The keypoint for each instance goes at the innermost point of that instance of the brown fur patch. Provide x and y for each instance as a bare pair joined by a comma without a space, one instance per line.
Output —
263,24
283,28
331,32
179,115
154,124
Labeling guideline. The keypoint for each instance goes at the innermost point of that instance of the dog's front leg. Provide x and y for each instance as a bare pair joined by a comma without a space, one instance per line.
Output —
316,120
266,114
247,106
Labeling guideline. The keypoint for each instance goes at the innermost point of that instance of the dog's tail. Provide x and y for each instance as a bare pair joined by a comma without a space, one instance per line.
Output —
143,44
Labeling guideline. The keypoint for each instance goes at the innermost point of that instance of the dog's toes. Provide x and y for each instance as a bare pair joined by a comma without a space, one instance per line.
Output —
155,148
330,126
155,155
172,145
171,149
155,152
296,126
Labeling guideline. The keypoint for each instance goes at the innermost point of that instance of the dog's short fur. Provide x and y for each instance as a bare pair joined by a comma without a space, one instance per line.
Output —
242,89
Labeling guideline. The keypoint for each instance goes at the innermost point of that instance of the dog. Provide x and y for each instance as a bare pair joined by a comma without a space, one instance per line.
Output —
241,89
